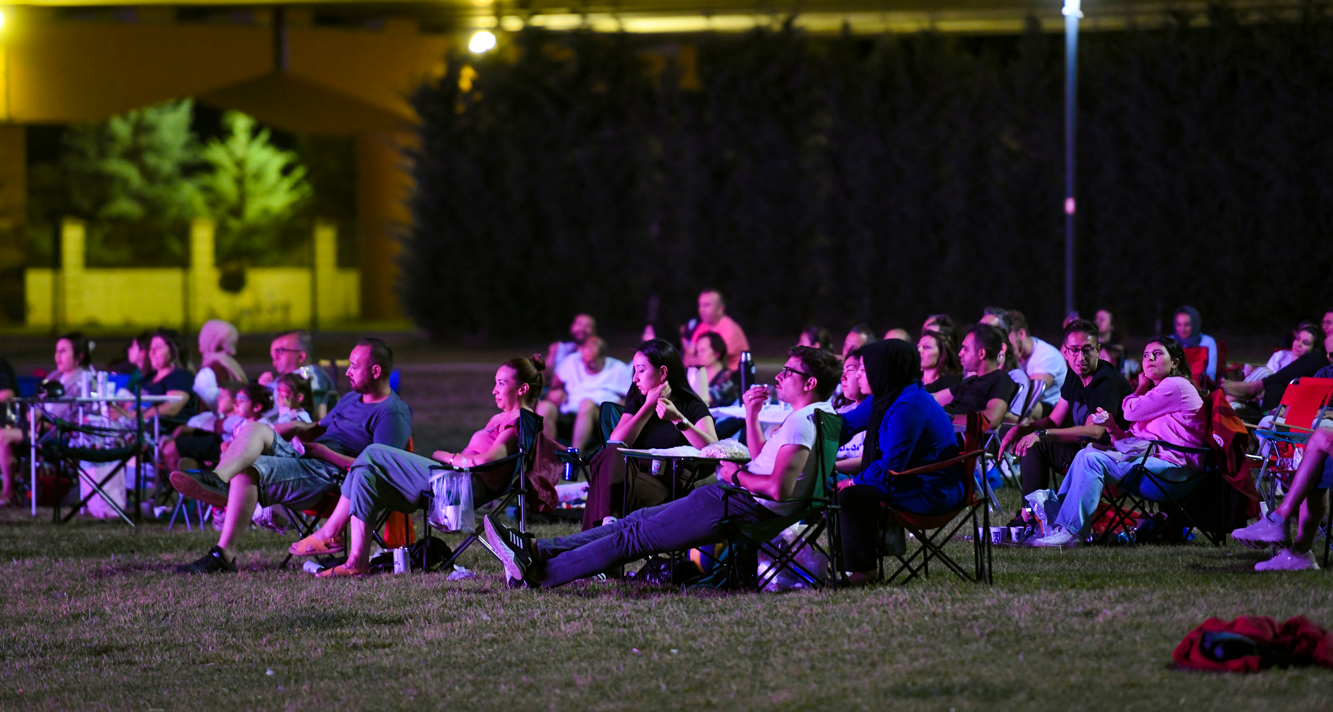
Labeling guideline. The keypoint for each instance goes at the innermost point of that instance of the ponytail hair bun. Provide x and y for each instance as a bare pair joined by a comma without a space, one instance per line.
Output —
538,362
529,371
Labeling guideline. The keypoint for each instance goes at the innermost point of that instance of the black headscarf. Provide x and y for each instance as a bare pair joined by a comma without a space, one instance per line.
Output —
891,366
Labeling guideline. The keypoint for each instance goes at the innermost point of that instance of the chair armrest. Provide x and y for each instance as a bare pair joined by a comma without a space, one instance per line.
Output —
938,465
483,467
1181,448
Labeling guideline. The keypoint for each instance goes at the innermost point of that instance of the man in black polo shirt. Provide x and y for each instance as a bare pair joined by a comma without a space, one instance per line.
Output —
1092,383
988,391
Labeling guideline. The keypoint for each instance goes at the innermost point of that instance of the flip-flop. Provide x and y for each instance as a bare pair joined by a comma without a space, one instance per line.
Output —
341,571
314,546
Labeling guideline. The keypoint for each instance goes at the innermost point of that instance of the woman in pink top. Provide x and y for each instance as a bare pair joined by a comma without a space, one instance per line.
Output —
1166,406
387,478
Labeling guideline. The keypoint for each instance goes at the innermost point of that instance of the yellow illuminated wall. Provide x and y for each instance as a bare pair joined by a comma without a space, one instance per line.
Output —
274,298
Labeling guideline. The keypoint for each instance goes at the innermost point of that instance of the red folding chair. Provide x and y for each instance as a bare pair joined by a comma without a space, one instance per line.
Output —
932,532
1304,403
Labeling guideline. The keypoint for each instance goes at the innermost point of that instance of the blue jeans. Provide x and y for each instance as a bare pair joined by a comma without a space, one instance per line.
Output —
1092,468
691,521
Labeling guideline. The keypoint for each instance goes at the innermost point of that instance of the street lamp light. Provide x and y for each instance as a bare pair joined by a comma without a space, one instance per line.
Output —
482,42
1072,13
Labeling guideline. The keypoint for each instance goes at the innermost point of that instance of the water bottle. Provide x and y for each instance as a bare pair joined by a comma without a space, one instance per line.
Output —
747,371
571,469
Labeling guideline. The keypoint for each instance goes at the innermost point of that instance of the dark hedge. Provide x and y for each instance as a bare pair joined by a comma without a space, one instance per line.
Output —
837,180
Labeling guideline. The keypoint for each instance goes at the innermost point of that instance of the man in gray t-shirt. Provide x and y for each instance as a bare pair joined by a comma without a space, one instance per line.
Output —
299,471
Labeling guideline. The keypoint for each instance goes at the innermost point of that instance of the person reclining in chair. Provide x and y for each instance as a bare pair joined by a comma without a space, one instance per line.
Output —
771,485
262,466
989,390
385,477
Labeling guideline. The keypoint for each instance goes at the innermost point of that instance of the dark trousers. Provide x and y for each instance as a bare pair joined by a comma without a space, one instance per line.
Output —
1041,459
858,523
606,493
693,520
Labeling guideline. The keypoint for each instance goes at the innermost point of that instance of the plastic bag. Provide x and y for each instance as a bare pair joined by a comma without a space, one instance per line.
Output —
807,558
451,502
1045,505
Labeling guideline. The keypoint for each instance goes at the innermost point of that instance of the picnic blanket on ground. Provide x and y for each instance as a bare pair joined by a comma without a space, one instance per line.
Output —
1254,643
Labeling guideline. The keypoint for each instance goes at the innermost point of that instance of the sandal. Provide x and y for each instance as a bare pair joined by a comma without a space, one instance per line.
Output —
314,546
341,571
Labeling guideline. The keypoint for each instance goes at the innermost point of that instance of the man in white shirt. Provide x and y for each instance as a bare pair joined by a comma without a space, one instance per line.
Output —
583,381
1039,360
771,485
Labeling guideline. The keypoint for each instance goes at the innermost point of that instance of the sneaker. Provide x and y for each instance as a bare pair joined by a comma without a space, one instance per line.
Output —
1057,538
1288,560
509,547
204,486
1270,529
214,562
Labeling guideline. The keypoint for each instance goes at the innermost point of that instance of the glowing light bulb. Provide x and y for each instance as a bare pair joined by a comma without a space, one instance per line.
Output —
482,42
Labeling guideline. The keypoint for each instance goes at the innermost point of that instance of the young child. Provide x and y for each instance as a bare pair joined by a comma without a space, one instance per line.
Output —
200,439
293,395
252,401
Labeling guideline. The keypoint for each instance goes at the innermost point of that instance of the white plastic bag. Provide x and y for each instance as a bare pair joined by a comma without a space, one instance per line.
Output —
451,501
808,558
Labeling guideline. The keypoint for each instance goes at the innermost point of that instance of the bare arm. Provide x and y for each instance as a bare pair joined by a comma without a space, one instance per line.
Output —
777,486
944,397
320,451
850,466
995,412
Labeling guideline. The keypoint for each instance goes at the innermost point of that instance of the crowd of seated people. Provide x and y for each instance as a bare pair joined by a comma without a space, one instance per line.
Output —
275,442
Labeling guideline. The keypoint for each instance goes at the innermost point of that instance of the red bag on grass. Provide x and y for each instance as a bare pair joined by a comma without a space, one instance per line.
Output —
1253,643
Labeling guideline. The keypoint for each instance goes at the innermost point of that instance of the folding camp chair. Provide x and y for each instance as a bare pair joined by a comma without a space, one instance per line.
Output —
1022,408
1304,403
932,532
1204,492
306,522
529,428
73,445
814,511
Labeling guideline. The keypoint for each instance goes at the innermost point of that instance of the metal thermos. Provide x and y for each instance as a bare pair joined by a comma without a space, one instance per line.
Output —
747,371
102,390
571,469
85,384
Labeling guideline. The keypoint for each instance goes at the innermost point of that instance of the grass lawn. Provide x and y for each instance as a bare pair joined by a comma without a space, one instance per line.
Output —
93,618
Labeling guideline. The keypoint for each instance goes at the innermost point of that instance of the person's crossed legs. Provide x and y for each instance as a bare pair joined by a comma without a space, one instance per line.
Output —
236,473
1307,499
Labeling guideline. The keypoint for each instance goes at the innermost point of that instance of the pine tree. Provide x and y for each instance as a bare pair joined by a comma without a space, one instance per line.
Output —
252,190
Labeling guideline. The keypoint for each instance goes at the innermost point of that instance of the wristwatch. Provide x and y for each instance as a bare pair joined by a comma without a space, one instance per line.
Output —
736,478
1041,434
682,425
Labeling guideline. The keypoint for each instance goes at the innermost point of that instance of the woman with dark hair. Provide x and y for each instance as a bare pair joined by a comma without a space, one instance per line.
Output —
1111,339
940,367
942,323
714,382
661,411
906,429
1263,386
384,477
73,358
170,378
1165,406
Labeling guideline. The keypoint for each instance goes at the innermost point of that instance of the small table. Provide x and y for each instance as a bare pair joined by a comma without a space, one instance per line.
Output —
675,458
770,416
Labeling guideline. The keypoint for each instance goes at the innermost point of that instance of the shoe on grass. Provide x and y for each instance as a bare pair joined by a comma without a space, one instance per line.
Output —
1270,529
342,571
1288,560
214,562
204,486
510,548
1057,538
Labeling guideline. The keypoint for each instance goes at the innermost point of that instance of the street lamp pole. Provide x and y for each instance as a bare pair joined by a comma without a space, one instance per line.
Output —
1072,14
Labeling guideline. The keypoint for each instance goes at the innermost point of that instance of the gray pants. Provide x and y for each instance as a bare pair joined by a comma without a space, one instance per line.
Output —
694,520
388,478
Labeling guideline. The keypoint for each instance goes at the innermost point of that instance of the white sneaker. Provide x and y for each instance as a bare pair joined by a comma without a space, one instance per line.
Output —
1288,560
1270,529
1057,538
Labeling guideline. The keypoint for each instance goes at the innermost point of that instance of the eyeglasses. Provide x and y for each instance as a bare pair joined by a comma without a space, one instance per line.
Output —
1088,351
789,369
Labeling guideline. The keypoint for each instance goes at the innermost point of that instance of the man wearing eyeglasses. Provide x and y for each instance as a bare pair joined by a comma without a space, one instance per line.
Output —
1054,440
292,351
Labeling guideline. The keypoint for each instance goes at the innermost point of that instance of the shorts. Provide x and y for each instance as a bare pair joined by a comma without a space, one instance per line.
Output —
1327,481
296,482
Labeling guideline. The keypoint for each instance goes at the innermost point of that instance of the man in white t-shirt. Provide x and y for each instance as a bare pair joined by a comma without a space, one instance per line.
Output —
769,486
583,381
1039,360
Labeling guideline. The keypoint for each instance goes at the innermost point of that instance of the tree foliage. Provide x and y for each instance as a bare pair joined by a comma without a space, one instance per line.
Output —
850,179
130,178
252,189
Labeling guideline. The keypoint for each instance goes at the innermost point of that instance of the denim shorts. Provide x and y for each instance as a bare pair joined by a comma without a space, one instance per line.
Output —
287,478
1327,481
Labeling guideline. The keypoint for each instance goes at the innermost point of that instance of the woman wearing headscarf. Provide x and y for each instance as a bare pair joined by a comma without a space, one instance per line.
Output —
906,429
217,349
1189,334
